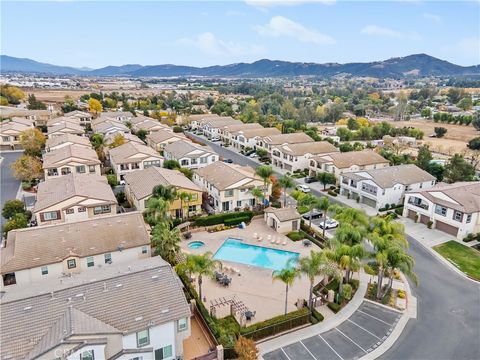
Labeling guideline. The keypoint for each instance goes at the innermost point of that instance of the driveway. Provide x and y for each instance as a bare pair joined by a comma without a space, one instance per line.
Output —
360,334
9,185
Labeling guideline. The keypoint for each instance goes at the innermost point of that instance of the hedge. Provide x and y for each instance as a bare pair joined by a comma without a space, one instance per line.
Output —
276,321
317,315
295,235
221,218
237,220
334,307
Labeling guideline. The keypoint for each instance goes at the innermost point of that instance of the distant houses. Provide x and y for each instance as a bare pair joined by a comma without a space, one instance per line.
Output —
189,155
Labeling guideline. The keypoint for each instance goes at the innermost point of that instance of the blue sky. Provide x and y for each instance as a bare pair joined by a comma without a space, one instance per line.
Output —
96,34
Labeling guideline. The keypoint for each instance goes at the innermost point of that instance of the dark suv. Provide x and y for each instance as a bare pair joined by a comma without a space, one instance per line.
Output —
310,179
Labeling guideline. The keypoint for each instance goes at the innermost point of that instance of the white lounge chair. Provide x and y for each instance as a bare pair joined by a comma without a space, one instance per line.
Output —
284,242
255,235
272,241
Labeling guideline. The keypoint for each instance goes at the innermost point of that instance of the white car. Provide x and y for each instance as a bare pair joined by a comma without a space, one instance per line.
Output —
254,155
303,188
215,139
329,224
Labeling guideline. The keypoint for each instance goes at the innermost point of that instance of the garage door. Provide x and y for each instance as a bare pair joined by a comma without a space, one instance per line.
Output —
449,229
411,214
424,219
369,202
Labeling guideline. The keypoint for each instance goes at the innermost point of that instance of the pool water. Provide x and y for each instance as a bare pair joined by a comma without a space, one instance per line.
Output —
196,244
236,250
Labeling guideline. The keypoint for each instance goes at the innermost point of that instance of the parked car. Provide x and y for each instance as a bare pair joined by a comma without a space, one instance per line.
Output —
314,214
329,224
303,188
228,161
254,155
215,139
310,179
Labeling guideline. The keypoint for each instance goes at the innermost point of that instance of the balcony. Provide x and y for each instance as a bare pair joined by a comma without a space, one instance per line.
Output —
414,202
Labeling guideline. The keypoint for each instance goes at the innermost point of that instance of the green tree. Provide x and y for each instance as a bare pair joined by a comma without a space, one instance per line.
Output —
27,168
257,194
185,199
17,221
474,144
264,171
156,211
424,157
286,182
440,131
171,164
398,259
34,104
458,169
32,141
310,201
166,241
261,153
323,206
326,178
465,104
69,105
112,180
287,276
437,170
187,172
142,134
13,207
202,265
352,124
476,120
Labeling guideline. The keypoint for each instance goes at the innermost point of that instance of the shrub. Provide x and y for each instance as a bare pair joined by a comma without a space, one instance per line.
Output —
429,224
112,180
295,235
121,198
276,320
470,237
355,283
401,294
399,211
387,206
347,291
13,207
237,220
317,315
332,193
302,209
177,129
334,307
416,218
221,218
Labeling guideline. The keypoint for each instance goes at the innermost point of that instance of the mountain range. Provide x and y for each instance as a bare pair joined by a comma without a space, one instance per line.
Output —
412,65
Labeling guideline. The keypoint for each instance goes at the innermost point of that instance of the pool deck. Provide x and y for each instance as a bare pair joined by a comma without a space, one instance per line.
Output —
253,286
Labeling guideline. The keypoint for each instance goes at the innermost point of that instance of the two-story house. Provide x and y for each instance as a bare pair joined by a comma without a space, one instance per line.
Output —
190,155
340,162
123,312
377,188
268,142
213,127
148,124
73,197
57,142
242,139
83,118
110,137
106,126
139,185
53,251
64,126
39,116
122,116
452,208
227,131
131,157
10,132
297,156
70,159
229,185
158,139
196,121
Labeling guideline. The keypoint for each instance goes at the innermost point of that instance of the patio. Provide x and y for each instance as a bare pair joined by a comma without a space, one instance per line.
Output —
252,287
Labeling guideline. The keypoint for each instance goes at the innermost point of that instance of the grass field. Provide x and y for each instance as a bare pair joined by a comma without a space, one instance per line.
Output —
464,258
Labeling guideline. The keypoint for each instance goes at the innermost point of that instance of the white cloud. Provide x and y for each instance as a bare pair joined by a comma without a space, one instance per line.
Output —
435,18
211,45
273,3
465,50
279,26
375,30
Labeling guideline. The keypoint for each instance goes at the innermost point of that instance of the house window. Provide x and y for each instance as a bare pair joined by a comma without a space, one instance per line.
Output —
203,160
192,208
70,211
147,164
440,210
143,338
239,203
421,185
82,209
44,270
144,249
90,261
71,263
52,172
163,353
6,138
184,162
193,161
194,197
52,215
87,355
228,193
108,258
182,324
134,166
458,216
469,218
80,169
65,171
91,169
101,209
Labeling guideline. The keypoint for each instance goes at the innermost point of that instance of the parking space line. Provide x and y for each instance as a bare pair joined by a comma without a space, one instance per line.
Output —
361,327
325,341
307,350
285,353
361,348
373,317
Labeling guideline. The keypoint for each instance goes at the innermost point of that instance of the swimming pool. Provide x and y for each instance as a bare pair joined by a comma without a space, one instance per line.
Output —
236,250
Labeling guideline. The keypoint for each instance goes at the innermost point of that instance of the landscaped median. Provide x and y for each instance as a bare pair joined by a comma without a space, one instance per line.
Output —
462,257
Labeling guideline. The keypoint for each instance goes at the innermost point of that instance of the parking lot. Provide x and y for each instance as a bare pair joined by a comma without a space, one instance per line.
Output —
363,332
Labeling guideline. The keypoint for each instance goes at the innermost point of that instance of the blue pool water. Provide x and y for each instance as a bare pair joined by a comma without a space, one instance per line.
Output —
237,251
196,245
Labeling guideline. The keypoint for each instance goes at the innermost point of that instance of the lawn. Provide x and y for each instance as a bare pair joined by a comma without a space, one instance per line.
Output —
465,258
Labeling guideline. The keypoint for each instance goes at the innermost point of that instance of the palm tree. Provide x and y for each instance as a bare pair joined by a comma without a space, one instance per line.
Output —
314,265
166,241
257,194
264,171
324,205
156,211
184,197
202,265
167,193
286,182
398,259
391,230
309,201
348,234
348,258
354,217
287,276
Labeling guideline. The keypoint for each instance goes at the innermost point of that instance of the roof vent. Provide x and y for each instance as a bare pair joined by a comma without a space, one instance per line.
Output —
79,295
104,286
138,318
155,277
164,311
26,308
36,259
118,285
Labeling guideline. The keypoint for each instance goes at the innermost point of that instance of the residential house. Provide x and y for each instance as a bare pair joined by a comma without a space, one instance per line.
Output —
190,155
139,185
213,128
158,139
293,157
65,127
52,251
196,121
270,141
73,197
61,119
341,162
131,157
249,138
39,116
106,126
109,138
57,142
148,124
122,116
387,186
282,220
452,208
10,132
123,312
70,159
226,133
229,185
83,118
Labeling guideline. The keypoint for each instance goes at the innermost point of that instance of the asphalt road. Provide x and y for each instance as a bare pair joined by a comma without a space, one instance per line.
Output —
9,185
447,326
